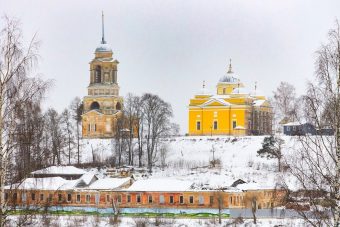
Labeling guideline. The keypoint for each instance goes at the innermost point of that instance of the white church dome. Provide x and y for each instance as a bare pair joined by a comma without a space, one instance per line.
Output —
103,47
230,77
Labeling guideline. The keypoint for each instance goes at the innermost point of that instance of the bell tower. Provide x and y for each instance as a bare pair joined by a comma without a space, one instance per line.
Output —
102,105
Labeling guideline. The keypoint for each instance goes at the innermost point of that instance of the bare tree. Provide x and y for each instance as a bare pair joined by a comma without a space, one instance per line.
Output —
250,200
284,102
156,116
56,135
29,131
67,127
316,165
77,110
132,113
16,63
120,139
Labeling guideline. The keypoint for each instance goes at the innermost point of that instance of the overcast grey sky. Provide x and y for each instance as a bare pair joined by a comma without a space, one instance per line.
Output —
170,47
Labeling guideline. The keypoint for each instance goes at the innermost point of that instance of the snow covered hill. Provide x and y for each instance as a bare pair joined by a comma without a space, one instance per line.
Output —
189,158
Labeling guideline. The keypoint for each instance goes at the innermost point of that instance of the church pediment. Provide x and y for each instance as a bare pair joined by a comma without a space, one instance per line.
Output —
92,113
215,102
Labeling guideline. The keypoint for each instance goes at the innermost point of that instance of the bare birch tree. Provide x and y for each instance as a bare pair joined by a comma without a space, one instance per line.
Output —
316,165
16,63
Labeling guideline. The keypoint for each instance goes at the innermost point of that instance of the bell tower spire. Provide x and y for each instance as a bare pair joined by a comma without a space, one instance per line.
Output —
103,38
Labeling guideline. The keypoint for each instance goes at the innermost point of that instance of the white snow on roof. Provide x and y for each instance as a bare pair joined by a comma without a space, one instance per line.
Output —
253,186
259,102
109,183
293,124
63,170
87,177
160,184
47,183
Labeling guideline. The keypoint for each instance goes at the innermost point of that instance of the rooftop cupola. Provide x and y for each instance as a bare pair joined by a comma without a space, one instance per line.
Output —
228,82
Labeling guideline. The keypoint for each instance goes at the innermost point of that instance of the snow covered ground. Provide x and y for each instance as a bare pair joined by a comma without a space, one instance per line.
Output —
188,159
79,221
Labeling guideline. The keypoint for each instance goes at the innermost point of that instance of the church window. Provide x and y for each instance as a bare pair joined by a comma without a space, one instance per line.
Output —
118,106
215,125
223,90
234,124
98,77
198,125
89,127
95,127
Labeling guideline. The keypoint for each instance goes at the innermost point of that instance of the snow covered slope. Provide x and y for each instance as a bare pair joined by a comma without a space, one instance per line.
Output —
189,158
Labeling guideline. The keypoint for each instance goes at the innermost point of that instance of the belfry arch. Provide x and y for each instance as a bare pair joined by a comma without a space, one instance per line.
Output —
95,106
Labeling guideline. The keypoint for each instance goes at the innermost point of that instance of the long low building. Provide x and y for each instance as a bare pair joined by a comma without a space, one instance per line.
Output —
121,194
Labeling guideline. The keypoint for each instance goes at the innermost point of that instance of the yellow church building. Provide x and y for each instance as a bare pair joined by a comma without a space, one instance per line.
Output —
231,111
102,105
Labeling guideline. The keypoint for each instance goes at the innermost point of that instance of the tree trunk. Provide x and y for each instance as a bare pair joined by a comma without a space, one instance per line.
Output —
2,167
78,143
337,165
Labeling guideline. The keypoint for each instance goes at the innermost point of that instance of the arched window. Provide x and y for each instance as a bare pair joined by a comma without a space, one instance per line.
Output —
224,91
118,106
95,106
98,76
